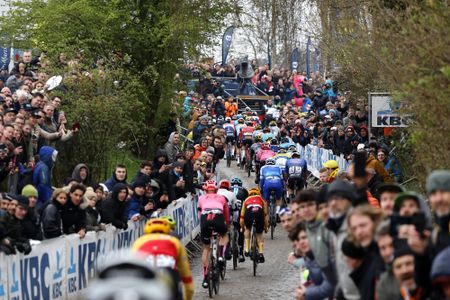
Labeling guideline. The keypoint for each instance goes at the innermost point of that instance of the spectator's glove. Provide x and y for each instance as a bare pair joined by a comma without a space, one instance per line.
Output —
24,247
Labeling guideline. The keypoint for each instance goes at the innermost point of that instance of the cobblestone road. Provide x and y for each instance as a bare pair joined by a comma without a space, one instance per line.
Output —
275,278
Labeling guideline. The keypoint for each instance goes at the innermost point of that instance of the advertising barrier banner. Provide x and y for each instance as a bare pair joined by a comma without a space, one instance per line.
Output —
316,157
59,268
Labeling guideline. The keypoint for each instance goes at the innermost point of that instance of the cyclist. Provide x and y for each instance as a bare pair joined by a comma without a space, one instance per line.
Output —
230,135
254,209
274,145
263,154
256,146
162,250
214,215
225,190
281,158
239,124
271,179
241,194
246,137
295,173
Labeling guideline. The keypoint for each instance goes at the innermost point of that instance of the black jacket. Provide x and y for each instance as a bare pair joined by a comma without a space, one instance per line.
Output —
31,225
51,218
74,218
113,210
92,219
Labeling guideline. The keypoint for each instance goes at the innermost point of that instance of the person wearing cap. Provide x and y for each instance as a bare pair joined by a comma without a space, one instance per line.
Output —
387,193
440,275
404,270
31,221
333,169
438,189
42,174
407,204
340,196
90,207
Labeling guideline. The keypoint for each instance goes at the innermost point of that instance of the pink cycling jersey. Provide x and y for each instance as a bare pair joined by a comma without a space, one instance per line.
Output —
264,154
214,203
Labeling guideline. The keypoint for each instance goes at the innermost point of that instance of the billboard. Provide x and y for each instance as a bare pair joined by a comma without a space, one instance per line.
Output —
384,112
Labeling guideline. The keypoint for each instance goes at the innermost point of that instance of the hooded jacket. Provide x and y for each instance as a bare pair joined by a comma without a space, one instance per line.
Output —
373,163
42,174
171,149
114,211
76,174
112,181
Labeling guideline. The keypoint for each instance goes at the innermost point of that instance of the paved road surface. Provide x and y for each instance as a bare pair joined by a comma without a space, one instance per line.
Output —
275,278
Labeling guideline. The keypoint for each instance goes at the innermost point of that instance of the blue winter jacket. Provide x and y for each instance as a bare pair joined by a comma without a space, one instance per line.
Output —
42,175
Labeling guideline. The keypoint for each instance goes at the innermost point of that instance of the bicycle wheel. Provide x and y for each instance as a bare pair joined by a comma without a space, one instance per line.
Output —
272,217
229,155
254,251
210,276
234,248
216,279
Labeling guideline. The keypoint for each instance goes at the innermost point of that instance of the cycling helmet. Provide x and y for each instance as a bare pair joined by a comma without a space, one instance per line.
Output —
220,118
158,225
274,142
224,184
284,140
236,181
227,119
273,123
238,116
170,220
282,150
210,185
270,161
248,109
295,153
241,120
254,192
249,123
129,276
258,127
258,138
292,148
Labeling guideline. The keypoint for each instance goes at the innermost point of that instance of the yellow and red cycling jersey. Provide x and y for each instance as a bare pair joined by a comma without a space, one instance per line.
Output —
166,251
251,202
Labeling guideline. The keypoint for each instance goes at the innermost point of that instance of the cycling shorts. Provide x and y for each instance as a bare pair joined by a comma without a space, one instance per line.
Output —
275,185
254,214
296,183
208,222
229,139
247,142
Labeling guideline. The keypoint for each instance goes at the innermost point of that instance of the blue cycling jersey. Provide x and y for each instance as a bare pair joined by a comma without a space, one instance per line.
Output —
295,167
271,179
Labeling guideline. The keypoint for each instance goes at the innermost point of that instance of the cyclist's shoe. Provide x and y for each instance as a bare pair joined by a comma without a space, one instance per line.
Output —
205,283
261,259
228,255
247,254
241,258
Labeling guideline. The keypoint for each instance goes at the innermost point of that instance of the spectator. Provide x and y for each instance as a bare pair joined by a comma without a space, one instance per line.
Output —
340,196
119,176
73,216
172,146
81,174
90,207
144,173
31,220
42,175
387,193
137,201
177,179
52,215
14,230
114,207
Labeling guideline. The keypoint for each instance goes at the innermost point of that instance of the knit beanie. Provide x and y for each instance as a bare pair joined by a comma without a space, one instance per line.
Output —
29,191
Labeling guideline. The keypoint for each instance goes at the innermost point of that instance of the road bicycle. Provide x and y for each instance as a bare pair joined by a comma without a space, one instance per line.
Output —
248,161
254,253
272,214
229,153
234,236
213,270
